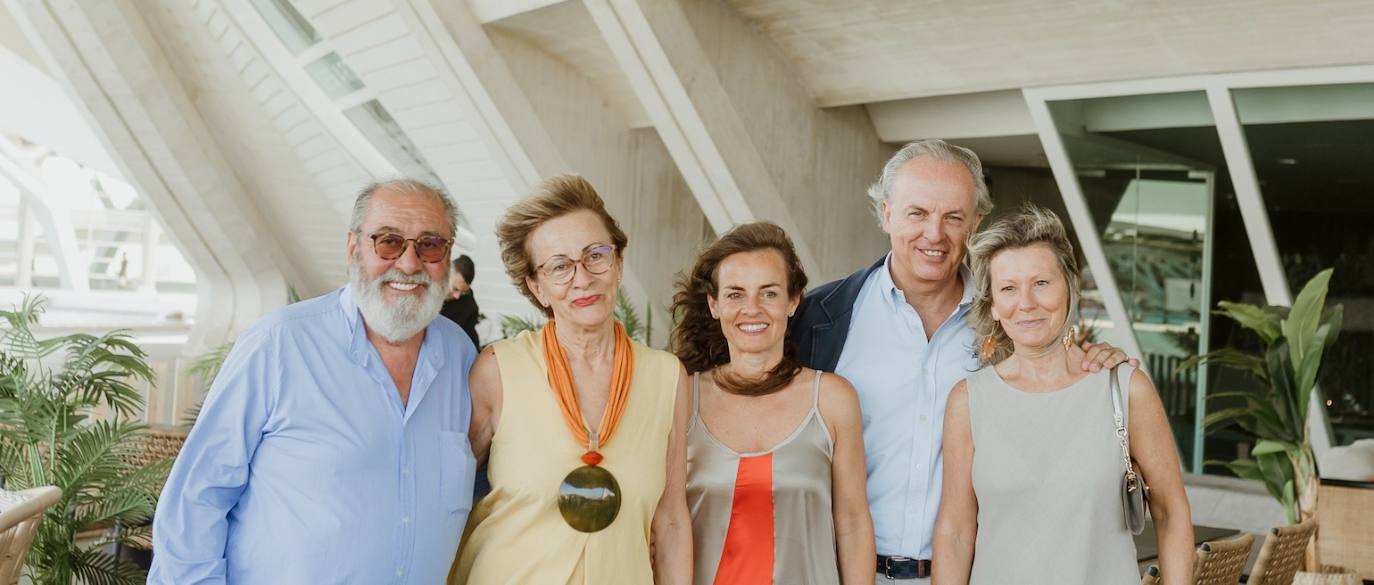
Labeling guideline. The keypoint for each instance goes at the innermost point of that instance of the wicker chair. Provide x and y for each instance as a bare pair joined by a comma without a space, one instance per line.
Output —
1151,576
158,443
1282,554
20,513
1221,562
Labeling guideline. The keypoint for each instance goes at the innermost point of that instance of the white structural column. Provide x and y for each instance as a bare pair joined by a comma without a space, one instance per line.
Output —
57,225
105,55
1081,218
744,133
1248,197
23,278
1261,234
539,117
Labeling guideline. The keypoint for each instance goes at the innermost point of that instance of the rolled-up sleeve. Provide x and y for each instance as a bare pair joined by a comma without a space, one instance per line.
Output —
191,525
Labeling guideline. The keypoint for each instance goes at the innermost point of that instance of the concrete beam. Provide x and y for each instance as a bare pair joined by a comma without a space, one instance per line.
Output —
540,117
746,136
56,221
489,11
104,54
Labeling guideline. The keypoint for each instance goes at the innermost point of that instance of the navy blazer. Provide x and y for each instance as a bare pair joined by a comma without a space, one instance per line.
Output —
821,324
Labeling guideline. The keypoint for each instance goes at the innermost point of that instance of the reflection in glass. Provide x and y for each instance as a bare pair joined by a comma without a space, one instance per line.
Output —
385,134
334,76
291,27
1313,152
1154,178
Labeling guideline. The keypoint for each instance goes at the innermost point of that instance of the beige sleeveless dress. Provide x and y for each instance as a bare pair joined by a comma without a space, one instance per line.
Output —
515,535
762,518
1047,472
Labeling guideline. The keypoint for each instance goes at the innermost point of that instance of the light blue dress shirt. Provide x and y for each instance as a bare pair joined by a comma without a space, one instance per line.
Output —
305,467
903,381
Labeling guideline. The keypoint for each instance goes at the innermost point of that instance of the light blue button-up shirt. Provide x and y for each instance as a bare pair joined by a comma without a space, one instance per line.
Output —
903,381
305,467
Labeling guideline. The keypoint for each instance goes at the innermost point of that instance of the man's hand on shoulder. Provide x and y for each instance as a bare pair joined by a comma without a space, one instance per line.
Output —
1104,355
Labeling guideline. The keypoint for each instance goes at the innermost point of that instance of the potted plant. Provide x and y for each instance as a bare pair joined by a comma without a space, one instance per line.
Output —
52,392
1275,411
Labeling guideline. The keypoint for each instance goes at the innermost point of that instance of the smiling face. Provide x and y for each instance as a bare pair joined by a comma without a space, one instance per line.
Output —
588,299
1030,297
928,217
752,302
398,297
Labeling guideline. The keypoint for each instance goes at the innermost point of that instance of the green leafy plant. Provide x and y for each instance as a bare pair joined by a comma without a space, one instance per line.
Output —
636,327
1275,412
512,325
205,368
51,392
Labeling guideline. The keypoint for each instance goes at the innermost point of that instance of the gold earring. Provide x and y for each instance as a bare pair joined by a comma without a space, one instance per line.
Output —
1070,337
988,347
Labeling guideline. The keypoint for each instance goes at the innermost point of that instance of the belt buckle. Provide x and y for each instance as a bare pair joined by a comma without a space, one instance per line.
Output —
887,565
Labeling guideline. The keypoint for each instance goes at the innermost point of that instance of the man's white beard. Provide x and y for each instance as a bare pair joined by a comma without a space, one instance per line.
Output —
400,318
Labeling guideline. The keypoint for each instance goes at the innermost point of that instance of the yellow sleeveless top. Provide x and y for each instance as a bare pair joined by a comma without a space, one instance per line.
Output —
515,535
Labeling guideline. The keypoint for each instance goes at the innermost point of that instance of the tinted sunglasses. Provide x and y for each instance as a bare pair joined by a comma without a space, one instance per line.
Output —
430,249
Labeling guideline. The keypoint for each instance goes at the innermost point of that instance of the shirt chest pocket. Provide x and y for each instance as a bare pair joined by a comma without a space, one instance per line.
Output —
457,469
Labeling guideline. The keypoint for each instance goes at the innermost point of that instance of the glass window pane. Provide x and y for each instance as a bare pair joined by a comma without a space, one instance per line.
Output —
334,76
385,134
291,27
1313,151
1153,175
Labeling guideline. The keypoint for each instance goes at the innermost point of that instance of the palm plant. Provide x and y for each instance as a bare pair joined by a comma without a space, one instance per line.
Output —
1275,414
638,329
50,393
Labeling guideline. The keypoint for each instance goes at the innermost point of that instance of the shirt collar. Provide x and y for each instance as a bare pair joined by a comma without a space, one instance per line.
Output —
895,298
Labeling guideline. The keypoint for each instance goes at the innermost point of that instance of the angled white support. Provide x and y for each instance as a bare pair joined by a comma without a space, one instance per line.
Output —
1261,234
105,56
1248,197
695,116
1082,220
57,226
483,71
488,11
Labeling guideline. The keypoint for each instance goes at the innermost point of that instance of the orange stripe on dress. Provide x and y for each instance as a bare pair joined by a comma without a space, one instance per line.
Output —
747,558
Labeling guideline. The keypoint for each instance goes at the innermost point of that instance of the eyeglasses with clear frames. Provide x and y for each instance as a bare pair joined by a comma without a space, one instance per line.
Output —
595,259
430,249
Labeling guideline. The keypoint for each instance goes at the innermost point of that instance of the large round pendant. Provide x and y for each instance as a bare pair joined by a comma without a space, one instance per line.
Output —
589,498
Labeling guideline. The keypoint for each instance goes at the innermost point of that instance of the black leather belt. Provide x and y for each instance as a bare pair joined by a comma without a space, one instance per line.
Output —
903,567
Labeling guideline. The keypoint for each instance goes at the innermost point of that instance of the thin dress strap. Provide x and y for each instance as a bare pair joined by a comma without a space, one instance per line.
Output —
816,392
696,385
816,412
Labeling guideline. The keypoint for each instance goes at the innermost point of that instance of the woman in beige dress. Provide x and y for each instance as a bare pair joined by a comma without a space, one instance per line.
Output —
582,428
1033,464
775,454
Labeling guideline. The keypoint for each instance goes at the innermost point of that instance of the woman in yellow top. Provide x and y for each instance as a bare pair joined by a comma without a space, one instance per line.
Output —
583,430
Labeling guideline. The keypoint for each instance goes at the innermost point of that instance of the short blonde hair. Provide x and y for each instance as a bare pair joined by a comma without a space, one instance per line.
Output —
1027,226
553,198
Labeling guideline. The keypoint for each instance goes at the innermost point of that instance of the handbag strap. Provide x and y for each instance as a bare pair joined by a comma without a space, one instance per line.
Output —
1120,419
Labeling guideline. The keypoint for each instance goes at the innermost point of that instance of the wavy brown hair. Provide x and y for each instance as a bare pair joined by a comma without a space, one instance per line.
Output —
698,340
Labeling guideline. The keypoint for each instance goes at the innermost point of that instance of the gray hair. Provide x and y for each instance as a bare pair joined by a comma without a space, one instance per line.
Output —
409,187
881,190
1027,226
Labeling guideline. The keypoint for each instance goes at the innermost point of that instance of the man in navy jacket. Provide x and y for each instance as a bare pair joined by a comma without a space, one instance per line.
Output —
898,331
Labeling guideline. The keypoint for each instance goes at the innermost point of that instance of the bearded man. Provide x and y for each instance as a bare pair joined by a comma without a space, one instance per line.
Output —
332,447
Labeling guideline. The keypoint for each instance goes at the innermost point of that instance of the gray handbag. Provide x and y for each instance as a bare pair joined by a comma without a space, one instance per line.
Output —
1135,495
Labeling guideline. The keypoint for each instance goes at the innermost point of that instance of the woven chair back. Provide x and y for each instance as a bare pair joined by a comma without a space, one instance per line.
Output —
1151,576
1220,562
20,514
1282,554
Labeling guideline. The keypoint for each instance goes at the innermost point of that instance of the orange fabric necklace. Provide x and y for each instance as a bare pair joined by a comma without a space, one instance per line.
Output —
561,381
